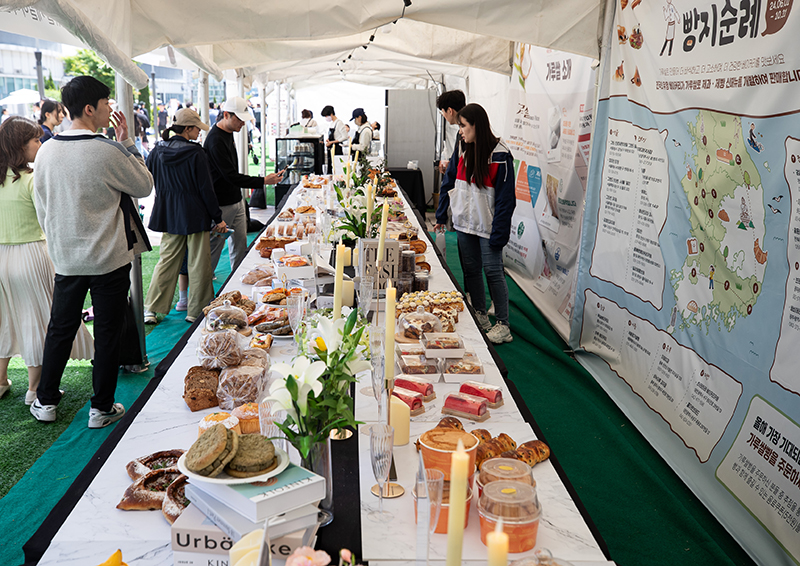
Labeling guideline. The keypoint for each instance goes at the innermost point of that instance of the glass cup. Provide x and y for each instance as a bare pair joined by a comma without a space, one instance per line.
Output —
296,310
366,288
381,441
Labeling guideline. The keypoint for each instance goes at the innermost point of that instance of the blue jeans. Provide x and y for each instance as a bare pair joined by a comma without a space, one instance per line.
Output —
479,258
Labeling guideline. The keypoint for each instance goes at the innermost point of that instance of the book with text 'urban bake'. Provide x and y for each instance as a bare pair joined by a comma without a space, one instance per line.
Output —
292,488
236,525
194,533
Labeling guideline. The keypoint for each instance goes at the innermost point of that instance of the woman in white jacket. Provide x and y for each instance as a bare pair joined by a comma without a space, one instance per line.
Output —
478,188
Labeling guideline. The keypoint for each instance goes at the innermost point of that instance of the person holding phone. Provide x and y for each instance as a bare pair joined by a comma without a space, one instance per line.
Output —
228,182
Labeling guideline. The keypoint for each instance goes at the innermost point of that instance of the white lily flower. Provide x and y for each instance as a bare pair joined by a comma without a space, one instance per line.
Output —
307,374
327,336
279,395
357,366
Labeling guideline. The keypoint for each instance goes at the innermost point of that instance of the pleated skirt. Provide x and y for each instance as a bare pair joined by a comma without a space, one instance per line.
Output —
26,295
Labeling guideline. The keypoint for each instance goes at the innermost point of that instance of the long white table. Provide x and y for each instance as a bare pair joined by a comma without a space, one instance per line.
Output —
95,528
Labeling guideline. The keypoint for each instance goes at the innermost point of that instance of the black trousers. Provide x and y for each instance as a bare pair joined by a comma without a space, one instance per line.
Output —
109,299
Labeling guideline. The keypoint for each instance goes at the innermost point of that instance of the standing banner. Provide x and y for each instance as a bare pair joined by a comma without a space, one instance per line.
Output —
687,308
548,130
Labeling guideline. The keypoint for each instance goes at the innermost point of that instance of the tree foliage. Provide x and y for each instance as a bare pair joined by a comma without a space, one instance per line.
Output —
86,62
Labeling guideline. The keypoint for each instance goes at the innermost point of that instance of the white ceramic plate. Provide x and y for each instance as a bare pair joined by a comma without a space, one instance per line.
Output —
225,479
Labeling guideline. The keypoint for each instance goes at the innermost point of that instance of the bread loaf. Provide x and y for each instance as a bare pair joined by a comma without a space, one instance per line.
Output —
148,491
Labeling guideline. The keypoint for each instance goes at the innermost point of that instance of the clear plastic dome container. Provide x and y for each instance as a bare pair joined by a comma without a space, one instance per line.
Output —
519,507
414,324
225,317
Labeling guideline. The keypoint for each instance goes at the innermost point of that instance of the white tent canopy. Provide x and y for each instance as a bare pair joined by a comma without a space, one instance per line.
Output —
290,42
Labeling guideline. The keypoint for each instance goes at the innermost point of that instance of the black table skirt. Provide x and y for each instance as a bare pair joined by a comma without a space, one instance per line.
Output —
413,185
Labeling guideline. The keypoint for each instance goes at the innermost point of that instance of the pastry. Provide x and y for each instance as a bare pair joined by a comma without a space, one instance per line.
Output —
221,417
418,384
444,343
261,341
238,385
492,393
410,398
255,275
418,246
199,399
210,453
255,456
535,451
219,350
467,406
148,491
175,500
482,435
417,365
156,461
248,418
200,388
450,422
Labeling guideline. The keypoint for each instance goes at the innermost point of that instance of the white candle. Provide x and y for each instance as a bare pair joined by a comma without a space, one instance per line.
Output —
337,286
458,505
401,420
391,296
382,233
497,542
348,293
370,207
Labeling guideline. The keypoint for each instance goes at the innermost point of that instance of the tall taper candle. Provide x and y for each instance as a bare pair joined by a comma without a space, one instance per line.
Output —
382,233
370,207
458,505
391,296
337,285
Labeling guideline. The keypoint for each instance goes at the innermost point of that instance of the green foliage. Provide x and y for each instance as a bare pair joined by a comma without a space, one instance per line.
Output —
49,83
52,94
86,62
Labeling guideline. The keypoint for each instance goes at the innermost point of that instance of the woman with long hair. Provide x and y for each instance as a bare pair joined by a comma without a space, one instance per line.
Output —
26,273
51,115
478,188
185,210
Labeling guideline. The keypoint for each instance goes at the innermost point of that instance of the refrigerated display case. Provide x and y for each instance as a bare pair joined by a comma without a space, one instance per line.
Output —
302,155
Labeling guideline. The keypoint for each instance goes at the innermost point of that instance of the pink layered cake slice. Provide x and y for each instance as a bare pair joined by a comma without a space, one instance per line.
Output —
466,406
418,384
492,393
410,398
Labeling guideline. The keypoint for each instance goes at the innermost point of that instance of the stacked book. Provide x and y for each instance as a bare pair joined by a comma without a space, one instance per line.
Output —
222,514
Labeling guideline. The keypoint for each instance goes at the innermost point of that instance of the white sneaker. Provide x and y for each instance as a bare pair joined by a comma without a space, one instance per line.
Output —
483,321
30,396
499,333
190,319
150,318
182,305
490,312
100,419
43,413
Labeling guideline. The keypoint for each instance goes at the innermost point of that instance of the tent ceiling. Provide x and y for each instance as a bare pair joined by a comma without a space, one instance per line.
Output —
269,36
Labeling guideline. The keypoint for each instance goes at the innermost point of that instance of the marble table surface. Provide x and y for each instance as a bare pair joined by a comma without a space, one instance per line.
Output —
95,528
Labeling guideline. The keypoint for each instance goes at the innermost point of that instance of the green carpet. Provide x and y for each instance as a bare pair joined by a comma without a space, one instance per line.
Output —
44,459
642,509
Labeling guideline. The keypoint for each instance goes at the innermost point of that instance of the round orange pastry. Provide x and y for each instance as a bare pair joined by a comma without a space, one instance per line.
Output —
248,418
226,419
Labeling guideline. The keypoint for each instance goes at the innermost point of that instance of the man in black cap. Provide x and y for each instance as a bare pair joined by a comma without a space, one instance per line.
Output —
363,139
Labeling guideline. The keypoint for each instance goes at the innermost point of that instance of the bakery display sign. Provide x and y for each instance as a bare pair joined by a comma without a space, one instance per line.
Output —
390,263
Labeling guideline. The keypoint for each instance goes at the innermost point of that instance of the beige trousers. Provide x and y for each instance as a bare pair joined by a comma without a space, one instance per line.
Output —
165,275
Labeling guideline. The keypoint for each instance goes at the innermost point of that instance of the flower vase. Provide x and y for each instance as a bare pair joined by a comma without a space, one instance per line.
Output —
319,462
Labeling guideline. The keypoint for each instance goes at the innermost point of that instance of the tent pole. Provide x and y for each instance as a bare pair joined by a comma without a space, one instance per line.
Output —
125,105
154,119
241,150
39,73
202,95
262,94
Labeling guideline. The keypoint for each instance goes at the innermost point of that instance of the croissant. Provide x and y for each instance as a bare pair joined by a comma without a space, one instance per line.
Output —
482,435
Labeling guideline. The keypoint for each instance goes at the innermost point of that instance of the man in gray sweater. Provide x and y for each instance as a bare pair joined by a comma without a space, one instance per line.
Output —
83,184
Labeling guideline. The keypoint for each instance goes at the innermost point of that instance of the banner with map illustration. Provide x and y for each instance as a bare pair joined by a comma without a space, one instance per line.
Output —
687,306
548,130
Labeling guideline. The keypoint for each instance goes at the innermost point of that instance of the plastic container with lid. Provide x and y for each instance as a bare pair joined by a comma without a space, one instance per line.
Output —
225,317
518,505
504,469
413,325
408,260
421,281
405,284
